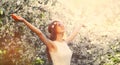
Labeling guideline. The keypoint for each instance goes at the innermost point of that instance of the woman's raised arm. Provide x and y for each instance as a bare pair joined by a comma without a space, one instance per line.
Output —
74,33
42,37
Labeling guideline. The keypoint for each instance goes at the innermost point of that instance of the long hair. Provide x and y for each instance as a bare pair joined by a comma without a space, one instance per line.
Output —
51,29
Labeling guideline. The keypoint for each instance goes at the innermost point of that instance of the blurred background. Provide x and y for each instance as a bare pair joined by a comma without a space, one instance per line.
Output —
96,44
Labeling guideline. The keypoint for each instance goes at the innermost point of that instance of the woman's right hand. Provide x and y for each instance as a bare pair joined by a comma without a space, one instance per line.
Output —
17,18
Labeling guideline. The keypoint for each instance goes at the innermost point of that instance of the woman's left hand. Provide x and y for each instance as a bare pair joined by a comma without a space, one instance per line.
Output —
17,18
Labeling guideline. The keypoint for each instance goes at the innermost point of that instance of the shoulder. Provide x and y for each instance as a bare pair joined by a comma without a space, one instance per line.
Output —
51,46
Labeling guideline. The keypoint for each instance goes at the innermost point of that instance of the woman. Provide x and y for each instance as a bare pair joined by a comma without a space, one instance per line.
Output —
57,47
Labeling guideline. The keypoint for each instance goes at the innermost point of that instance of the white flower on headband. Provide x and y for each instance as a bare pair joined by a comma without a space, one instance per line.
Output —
53,26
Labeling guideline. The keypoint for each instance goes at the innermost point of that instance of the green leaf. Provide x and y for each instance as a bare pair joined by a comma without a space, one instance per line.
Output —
42,15
0,21
1,12
38,61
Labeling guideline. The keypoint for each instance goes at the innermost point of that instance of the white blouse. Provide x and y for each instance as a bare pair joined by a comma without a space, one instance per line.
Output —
63,54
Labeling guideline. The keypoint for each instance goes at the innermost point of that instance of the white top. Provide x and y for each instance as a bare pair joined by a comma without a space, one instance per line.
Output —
63,54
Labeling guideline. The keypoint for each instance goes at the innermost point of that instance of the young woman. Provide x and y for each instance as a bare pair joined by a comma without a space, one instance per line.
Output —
57,47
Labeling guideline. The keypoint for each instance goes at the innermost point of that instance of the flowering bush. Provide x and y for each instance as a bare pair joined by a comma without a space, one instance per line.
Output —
20,46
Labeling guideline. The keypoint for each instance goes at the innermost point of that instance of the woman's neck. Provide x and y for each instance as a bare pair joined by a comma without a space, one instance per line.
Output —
57,37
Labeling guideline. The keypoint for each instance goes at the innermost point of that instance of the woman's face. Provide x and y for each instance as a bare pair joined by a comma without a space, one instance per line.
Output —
58,27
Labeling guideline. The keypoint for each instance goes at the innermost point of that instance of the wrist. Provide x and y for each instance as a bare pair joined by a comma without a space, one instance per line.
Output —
22,20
